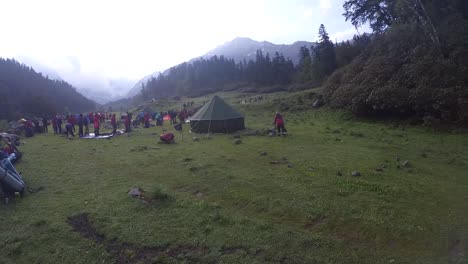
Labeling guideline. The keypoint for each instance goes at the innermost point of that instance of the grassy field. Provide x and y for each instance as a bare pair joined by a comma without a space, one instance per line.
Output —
212,201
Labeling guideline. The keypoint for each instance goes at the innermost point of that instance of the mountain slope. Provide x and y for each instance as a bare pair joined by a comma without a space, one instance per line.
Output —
24,92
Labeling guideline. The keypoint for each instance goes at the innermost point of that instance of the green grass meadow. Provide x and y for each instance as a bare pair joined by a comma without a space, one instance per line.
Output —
213,201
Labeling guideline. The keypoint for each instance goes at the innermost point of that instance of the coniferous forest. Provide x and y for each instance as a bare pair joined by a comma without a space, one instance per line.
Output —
25,93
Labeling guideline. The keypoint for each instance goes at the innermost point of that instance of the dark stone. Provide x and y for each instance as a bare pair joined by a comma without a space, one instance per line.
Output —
355,174
338,173
237,141
263,153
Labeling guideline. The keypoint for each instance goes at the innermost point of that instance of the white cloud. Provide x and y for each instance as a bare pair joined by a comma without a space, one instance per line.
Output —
343,35
308,12
325,4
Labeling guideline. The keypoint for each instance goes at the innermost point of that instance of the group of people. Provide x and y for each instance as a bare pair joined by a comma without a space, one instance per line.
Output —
67,124
173,116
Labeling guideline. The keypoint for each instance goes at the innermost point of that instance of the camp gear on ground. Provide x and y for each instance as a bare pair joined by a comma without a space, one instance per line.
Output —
9,177
217,116
167,137
178,127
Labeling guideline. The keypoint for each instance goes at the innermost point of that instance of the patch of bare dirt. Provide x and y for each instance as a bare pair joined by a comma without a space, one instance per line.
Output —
80,224
131,253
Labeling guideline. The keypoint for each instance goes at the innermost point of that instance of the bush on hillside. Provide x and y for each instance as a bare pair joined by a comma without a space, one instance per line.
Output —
403,74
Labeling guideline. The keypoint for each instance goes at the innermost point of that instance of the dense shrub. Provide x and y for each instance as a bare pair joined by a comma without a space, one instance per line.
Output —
402,73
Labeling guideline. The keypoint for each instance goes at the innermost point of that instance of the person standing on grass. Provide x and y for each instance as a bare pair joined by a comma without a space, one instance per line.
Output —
114,124
59,123
96,124
279,123
80,125
127,123
86,122
146,119
44,125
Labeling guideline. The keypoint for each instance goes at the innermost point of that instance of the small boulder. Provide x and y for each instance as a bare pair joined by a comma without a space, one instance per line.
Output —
355,174
290,165
271,134
263,153
237,141
236,136
338,173
195,139
134,192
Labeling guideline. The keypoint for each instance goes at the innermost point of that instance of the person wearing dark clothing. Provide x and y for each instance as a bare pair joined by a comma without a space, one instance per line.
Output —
59,124
86,124
45,125
37,128
114,124
279,123
69,129
80,125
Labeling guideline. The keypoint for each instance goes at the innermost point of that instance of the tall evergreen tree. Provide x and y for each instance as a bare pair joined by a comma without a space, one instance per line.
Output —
324,58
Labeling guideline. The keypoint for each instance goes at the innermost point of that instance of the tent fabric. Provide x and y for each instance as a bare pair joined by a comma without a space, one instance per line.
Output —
217,117
217,126
216,109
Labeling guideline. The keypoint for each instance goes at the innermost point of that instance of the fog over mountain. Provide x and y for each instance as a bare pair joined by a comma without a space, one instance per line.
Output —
93,85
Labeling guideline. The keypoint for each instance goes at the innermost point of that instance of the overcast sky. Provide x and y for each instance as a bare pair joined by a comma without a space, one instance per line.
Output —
113,39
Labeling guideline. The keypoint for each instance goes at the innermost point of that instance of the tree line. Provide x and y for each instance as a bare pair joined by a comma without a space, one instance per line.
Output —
220,73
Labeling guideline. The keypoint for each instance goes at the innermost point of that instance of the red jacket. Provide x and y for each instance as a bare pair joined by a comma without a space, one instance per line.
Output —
278,120
96,121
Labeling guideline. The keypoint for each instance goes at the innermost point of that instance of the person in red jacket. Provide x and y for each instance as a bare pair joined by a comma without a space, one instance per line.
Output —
96,124
279,123
113,123
127,123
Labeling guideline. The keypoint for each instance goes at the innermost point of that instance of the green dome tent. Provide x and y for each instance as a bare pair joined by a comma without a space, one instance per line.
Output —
217,117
